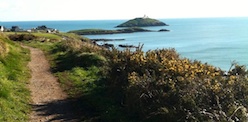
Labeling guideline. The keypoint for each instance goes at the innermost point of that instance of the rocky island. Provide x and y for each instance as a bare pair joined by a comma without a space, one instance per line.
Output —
142,22
131,26
102,31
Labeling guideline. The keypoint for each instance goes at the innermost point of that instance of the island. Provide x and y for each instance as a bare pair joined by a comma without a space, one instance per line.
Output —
142,22
131,26
102,31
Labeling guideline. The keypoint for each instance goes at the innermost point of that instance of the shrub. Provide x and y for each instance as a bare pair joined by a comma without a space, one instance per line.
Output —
21,37
159,85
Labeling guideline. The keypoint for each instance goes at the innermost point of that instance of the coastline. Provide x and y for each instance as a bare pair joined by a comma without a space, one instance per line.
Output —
118,31
195,38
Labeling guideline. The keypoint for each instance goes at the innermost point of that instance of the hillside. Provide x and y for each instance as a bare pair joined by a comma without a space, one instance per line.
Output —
14,95
125,85
142,22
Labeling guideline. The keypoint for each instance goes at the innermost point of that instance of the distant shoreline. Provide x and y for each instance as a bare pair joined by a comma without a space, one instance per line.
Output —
103,31
67,25
118,31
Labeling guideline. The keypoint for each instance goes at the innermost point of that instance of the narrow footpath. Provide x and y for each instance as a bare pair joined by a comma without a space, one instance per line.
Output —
49,102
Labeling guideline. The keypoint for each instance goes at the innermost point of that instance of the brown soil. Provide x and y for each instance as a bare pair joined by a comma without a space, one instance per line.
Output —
49,102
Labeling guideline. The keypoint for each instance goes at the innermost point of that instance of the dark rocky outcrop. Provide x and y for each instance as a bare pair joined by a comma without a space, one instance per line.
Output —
127,46
163,30
106,45
105,40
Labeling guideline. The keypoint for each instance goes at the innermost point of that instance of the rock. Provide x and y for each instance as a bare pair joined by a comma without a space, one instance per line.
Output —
108,45
162,30
105,40
127,46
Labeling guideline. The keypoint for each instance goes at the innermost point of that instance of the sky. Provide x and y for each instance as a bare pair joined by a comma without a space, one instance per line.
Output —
30,10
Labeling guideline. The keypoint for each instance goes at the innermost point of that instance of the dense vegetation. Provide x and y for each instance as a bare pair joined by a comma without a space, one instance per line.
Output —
158,85
101,31
115,85
14,96
142,22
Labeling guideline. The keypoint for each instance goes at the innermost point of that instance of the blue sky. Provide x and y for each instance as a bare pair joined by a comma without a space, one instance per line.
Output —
24,10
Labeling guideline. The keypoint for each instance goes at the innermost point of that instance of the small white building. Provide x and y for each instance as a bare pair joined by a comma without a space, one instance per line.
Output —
1,28
29,30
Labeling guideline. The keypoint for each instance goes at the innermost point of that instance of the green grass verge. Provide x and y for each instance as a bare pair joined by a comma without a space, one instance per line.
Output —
40,35
14,96
48,35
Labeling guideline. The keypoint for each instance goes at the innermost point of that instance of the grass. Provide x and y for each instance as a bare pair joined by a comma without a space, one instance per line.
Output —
40,35
81,80
53,36
74,68
3,45
48,35
80,71
73,36
14,96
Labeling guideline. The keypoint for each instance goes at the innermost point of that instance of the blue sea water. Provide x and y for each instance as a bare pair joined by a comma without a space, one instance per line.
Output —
217,41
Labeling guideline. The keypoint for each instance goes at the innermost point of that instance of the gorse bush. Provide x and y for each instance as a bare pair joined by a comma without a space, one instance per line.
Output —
22,37
159,85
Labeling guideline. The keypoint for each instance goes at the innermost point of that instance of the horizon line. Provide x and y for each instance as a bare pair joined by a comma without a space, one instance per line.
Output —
120,19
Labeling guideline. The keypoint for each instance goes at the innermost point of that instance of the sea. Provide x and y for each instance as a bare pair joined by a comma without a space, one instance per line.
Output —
215,41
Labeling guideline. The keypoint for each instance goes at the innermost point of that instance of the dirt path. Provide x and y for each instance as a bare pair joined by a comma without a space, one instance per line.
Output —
49,102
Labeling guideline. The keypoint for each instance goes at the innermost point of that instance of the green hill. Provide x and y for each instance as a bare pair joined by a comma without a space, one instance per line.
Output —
142,22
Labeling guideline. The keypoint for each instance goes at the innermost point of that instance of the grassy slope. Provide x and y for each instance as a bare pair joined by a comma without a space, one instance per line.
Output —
41,35
14,74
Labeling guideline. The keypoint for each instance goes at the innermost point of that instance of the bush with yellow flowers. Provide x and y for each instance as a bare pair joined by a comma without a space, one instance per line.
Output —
160,85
